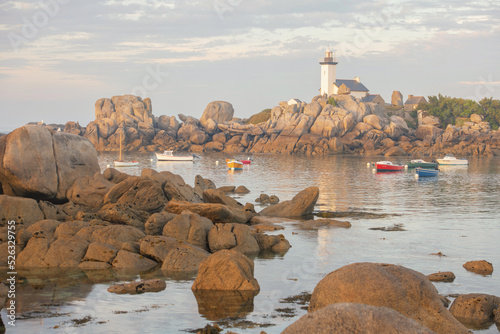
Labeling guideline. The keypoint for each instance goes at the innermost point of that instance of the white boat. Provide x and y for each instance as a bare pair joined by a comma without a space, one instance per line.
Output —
121,163
126,163
451,160
169,156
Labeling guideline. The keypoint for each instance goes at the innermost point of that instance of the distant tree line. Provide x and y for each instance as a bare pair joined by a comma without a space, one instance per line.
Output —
451,109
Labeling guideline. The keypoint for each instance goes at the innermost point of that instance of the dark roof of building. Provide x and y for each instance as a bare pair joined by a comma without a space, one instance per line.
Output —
416,100
353,85
370,97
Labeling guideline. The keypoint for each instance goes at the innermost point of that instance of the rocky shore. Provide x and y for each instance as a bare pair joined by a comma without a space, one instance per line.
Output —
70,215
338,124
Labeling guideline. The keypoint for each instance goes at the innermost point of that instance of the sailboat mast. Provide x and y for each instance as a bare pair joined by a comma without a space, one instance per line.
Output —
120,146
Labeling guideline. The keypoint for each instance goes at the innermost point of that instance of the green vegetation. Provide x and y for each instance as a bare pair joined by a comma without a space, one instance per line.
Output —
394,108
452,110
263,116
332,102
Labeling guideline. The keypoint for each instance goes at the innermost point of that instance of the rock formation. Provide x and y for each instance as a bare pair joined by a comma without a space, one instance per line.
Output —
479,267
114,220
396,287
397,99
226,270
41,164
475,310
346,126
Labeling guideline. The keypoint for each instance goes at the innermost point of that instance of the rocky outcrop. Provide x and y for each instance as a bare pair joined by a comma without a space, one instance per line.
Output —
396,287
397,99
319,127
216,113
355,318
126,118
226,270
38,163
301,205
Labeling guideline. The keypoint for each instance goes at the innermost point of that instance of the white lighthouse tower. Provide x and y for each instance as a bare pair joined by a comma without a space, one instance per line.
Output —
328,65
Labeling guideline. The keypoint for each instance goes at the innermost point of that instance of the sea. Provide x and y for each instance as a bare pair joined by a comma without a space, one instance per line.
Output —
395,217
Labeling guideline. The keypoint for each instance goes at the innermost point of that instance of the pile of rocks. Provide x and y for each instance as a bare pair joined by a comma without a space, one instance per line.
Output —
347,126
68,214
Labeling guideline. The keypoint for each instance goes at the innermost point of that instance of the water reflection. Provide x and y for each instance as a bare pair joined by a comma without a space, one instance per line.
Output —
216,304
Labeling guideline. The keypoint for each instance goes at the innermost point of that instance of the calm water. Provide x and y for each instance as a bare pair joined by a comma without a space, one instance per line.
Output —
456,214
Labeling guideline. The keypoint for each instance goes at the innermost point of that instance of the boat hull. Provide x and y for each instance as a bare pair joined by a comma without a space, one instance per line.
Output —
452,162
422,164
422,172
388,168
163,157
126,163
234,165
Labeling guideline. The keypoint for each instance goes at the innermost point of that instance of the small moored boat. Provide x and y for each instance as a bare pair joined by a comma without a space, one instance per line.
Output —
451,160
424,172
120,162
421,163
169,156
234,164
388,166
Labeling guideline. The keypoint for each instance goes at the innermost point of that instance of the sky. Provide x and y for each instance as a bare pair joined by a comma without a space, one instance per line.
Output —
57,57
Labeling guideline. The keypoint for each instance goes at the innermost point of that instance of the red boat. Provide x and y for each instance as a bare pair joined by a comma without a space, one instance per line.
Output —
388,166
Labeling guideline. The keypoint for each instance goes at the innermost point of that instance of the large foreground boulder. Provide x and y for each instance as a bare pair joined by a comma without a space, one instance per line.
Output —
226,270
355,319
396,287
301,205
38,163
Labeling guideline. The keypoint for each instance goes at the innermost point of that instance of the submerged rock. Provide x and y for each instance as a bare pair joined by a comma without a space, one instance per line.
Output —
355,319
475,309
396,287
446,276
479,267
226,270
152,285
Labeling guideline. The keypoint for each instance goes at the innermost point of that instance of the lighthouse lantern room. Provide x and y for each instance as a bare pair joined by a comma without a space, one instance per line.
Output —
328,64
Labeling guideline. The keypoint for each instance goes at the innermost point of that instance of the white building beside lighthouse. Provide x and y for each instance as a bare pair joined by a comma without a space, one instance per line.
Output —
330,84
328,64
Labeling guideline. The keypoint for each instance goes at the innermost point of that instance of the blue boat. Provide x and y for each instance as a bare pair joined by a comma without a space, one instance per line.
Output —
424,172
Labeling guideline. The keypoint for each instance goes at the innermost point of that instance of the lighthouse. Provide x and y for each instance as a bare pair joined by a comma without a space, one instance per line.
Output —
328,65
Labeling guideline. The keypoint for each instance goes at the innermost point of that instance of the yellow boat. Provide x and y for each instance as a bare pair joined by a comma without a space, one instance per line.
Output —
234,164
